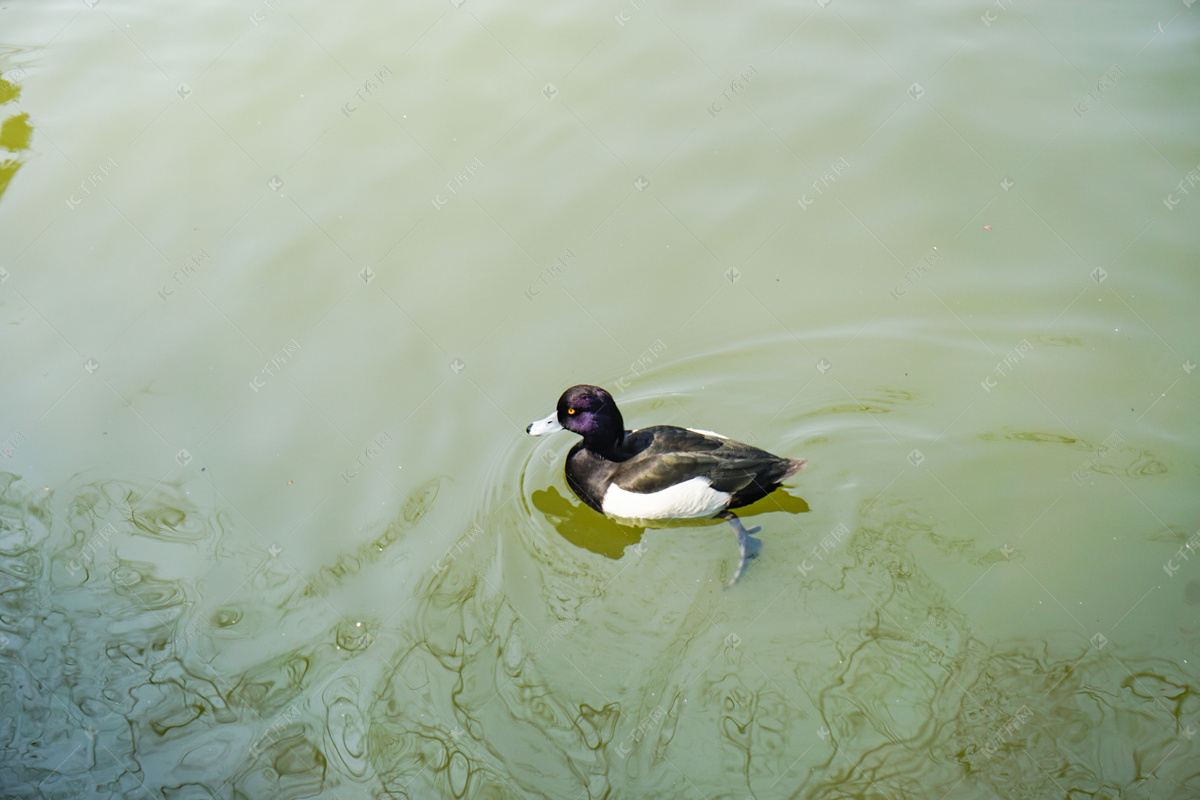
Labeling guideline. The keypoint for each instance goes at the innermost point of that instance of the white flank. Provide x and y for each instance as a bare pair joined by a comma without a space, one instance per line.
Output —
691,499
707,433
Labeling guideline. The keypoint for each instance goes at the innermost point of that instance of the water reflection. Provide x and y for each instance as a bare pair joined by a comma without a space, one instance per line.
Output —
15,130
584,527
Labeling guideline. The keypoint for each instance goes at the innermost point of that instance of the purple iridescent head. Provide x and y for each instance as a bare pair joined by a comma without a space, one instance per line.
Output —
589,411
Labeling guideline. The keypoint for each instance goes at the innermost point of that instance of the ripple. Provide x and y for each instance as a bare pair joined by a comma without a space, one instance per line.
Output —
1029,436
25,567
227,617
1145,465
347,565
1060,341
346,726
353,636
551,652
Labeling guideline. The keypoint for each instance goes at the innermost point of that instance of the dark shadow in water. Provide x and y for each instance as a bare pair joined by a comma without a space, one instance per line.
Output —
584,527
591,530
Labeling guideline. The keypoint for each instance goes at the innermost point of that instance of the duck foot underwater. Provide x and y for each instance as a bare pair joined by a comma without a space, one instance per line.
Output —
748,546
662,472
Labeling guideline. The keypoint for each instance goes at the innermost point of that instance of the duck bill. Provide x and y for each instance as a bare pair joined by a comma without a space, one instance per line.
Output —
543,426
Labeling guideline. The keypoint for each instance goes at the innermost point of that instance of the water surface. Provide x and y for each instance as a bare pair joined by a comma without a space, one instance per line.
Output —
282,285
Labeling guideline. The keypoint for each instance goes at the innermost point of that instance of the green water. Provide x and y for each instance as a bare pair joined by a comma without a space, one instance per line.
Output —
282,284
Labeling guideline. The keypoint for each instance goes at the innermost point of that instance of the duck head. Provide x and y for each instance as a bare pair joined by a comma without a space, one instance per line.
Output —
589,411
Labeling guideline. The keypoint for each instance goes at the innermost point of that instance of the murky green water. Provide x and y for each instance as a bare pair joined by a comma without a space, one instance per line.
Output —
281,286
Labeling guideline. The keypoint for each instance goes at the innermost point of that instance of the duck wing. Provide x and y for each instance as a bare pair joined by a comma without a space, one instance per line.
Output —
672,455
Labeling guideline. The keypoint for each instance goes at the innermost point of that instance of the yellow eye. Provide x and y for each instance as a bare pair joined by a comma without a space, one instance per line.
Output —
570,411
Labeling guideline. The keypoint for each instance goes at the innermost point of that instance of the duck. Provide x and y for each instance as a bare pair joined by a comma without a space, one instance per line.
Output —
662,472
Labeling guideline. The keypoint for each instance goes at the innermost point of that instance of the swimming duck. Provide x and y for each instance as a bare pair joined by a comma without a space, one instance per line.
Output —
662,472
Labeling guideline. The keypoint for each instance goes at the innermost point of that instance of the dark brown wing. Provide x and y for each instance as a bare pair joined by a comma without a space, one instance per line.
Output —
670,455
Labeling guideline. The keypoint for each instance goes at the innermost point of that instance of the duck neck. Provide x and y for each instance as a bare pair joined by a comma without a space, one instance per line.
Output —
605,443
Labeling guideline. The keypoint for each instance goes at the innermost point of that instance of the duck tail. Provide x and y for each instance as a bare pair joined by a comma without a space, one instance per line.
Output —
794,466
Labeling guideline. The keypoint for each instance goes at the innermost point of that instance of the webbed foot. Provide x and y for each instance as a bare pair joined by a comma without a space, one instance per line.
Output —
748,546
